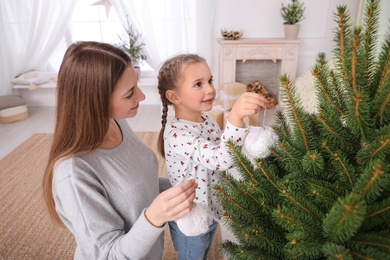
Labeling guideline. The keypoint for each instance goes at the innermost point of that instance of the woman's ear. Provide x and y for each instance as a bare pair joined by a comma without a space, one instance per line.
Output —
171,95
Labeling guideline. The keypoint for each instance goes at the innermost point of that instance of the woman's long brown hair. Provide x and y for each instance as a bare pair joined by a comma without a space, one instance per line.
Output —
86,79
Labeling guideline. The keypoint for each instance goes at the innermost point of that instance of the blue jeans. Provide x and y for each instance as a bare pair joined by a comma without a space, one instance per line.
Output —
192,248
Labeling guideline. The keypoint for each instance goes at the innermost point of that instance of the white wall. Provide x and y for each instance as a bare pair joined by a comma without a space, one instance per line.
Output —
262,19
384,20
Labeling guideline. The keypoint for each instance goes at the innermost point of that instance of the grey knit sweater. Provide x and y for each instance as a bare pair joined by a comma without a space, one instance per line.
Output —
101,197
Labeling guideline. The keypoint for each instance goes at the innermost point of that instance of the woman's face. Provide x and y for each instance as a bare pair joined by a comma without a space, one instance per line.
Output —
126,96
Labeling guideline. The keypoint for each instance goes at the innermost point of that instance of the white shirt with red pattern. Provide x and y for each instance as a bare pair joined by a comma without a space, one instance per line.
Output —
199,151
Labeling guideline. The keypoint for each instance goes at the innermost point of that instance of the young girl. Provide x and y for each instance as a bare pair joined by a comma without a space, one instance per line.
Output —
101,180
194,147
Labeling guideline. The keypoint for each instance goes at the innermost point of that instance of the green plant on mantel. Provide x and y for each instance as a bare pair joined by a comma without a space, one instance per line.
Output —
131,42
293,12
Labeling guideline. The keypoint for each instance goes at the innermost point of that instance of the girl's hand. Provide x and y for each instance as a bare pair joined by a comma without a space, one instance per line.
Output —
249,103
172,204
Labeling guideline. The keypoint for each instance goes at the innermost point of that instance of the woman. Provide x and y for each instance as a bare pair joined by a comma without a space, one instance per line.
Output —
101,181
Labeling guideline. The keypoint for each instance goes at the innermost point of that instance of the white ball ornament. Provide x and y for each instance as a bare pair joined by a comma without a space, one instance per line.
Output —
259,139
196,222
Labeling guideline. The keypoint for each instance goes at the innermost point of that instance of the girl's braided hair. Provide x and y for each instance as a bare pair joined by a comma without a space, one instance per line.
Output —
168,79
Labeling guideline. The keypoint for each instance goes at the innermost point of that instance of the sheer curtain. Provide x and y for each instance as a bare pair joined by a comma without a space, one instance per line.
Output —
170,27
30,32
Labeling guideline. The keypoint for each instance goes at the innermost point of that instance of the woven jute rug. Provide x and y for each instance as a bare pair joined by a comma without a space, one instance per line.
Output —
26,232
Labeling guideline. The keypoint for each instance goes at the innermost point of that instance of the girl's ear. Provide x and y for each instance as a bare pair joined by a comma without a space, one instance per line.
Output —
171,95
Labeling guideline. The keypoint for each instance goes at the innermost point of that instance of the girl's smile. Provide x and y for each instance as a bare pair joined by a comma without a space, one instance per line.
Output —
209,101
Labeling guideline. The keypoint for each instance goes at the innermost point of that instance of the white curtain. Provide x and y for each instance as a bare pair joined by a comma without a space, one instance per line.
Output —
30,32
170,27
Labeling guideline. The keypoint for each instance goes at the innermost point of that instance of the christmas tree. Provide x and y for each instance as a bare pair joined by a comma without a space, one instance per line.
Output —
324,190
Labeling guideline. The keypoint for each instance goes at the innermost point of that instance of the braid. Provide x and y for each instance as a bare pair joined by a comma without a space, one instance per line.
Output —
168,77
160,142
164,115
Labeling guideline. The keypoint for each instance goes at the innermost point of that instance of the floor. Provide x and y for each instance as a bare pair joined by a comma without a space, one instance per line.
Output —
41,120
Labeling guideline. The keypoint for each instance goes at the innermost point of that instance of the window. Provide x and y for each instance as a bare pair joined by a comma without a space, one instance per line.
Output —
167,27
91,22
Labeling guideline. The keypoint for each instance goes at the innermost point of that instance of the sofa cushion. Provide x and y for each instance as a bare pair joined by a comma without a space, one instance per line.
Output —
34,77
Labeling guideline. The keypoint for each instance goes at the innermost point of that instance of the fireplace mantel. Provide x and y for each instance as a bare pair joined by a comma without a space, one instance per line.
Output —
282,50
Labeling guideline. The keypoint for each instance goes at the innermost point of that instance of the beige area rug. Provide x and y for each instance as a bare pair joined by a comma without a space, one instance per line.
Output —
26,232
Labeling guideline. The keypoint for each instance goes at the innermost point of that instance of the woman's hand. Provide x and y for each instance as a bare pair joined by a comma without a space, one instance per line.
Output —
172,204
249,103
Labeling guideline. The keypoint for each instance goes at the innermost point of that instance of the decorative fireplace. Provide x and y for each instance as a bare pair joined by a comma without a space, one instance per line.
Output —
247,60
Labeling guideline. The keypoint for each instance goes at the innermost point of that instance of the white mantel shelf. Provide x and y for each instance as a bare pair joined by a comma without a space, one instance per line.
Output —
259,40
256,49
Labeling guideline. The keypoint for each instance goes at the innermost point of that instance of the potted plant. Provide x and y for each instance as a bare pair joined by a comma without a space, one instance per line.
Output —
292,15
131,42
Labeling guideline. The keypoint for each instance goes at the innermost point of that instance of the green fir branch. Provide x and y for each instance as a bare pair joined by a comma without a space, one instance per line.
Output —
281,128
291,156
282,122
341,163
268,176
258,194
359,116
381,83
263,238
304,245
240,252
378,215
321,76
370,37
339,91
323,193
336,251
370,246
334,132
299,202
290,220
313,163
335,135
373,181
241,161
344,168
345,218
343,39
355,48
378,148
241,206
295,111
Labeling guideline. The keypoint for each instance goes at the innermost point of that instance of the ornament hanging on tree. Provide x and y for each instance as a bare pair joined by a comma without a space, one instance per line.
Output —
259,139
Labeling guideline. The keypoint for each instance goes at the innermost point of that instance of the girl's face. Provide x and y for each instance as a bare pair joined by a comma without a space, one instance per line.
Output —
126,96
196,92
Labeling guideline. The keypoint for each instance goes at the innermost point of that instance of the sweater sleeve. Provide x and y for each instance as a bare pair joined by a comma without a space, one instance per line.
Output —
83,206
191,145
